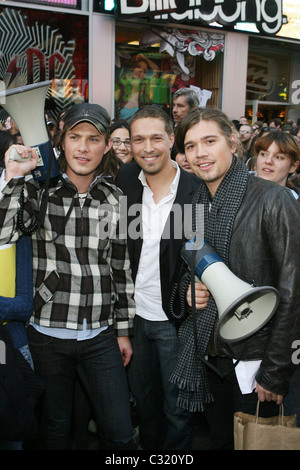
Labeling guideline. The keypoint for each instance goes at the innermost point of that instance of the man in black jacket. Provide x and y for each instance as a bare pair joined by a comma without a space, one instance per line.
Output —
253,225
156,187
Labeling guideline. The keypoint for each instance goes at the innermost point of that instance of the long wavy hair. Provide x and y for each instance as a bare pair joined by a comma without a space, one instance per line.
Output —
226,127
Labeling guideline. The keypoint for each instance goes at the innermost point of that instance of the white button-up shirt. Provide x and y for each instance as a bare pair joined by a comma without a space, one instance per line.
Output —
147,285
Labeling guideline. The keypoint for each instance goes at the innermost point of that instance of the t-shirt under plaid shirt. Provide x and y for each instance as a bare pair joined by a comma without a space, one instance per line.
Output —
81,267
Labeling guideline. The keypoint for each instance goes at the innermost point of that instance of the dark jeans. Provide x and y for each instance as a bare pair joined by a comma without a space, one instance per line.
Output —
162,424
99,364
291,402
227,400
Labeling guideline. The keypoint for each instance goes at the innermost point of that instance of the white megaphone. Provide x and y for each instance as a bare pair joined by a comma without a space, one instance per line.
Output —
243,309
26,106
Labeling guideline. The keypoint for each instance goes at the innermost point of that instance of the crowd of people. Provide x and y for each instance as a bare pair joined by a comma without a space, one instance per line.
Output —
110,317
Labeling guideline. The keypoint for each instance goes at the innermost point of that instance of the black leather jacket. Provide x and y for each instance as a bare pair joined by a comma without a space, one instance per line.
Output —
265,250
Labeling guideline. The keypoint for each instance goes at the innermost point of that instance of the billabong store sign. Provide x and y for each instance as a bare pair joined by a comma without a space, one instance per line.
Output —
265,14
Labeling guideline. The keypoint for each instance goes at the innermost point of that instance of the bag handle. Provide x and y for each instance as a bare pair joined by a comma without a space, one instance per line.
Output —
281,413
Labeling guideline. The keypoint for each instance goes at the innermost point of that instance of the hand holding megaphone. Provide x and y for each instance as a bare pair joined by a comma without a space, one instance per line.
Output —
19,157
19,161
242,308
201,295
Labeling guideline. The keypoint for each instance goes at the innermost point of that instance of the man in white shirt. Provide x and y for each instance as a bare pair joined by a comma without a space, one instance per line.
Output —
157,187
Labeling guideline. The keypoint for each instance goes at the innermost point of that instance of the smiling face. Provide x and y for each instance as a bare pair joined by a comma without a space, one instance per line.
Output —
274,165
84,148
121,144
208,152
151,144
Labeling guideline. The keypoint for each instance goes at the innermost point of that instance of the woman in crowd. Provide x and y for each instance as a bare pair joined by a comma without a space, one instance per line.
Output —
119,134
278,155
277,158
133,86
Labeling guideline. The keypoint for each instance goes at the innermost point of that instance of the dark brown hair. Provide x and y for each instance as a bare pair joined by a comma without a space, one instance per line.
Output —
153,111
226,126
286,143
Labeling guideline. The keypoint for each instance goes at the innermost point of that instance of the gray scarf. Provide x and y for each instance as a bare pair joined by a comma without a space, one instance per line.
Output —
190,372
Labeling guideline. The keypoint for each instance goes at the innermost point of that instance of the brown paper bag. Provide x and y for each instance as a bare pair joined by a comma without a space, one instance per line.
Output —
277,433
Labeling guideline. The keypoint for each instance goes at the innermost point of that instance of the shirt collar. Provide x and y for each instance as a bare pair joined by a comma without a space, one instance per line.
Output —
174,184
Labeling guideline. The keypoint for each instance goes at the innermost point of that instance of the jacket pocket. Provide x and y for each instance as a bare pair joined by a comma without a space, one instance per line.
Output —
46,290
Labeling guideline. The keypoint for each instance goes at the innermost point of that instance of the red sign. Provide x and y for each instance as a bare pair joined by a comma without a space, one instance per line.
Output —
59,3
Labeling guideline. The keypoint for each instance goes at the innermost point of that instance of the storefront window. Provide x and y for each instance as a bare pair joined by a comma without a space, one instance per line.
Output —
152,63
267,77
37,46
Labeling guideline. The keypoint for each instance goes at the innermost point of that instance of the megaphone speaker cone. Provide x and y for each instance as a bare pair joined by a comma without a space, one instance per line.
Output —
26,106
248,314
242,308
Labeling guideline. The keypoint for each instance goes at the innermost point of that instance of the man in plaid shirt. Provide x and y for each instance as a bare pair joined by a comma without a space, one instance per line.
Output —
83,291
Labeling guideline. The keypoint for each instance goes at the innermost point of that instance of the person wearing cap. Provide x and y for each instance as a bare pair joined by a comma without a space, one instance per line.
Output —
83,290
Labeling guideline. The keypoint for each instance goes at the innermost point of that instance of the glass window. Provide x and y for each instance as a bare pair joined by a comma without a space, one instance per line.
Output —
43,46
152,63
268,76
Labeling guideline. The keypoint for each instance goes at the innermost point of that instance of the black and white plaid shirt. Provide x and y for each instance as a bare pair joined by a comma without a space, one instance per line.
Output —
85,272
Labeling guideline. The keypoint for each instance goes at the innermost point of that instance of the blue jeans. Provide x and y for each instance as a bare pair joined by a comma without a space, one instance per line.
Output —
27,355
162,424
99,365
